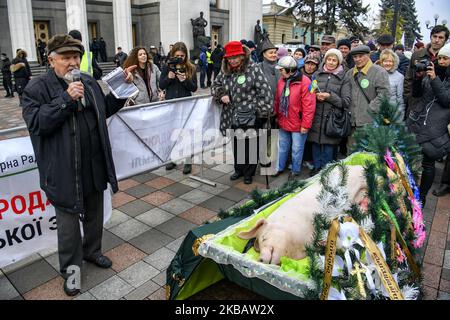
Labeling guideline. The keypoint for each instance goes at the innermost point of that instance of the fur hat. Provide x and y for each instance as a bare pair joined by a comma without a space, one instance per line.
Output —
445,51
344,42
62,43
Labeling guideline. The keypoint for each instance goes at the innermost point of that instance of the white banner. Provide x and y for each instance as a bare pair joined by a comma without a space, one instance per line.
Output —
144,138
27,219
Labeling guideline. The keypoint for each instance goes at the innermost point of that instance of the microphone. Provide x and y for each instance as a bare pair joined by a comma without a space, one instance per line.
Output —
76,76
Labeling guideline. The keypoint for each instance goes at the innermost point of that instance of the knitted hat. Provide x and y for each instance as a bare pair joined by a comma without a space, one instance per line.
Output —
312,58
282,52
233,48
445,51
251,44
62,43
335,52
344,42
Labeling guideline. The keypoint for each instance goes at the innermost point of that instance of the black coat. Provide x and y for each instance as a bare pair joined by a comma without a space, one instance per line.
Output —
49,113
176,89
6,64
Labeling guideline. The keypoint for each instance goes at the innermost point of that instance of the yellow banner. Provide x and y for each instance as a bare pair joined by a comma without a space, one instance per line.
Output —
330,253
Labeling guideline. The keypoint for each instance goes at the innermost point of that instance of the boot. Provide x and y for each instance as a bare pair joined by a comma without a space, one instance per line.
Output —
171,166
442,190
187,168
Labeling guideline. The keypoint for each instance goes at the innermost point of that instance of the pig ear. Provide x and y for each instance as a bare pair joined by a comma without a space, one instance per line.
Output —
256,245
252,232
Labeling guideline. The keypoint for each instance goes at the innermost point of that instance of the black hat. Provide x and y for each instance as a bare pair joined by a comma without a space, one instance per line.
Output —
399,47
344,42
75,34
266,45
251,44
385,39
361,49
4,54
62,43
354,38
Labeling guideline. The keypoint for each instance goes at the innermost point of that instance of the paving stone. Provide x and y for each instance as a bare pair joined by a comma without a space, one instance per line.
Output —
121,198
117,217
53,260
155,217
150,241
140,191
161,258
219,188
212,174
444,286
447,259
143,291
110,241
128,183
138,274
160,171
443,205
445,274
160,279
177,189
124,256
225,168
196,196
85,296
145,177
198,215
21,263
32,276
437,239
160,183
175,245
434,255
91,276
112,289
440,223
250,187
234,194
48,252
52,290
443,296
191,183
216,203
176,227
225,180
7,290
136,208
158,198
177,206
431,275
129,229
160,294
176,176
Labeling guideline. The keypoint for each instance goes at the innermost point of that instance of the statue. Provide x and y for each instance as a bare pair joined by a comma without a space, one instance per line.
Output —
258,33
198,29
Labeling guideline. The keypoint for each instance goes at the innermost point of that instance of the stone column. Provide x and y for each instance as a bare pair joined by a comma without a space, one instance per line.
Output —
123,34
77,19
243,17
236,19
21,27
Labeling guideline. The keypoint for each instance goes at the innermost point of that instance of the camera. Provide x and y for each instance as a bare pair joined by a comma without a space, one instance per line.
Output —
174,65
422,65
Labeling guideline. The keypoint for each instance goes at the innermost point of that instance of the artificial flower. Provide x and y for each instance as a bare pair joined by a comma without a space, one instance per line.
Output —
334,294
338,266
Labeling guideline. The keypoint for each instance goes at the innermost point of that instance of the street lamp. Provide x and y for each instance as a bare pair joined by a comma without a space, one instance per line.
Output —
436,17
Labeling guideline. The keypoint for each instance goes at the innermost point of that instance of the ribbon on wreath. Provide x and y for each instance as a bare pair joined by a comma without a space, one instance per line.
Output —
330,253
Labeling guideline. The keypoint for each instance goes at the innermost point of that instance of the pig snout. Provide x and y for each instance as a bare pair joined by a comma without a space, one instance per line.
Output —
266,254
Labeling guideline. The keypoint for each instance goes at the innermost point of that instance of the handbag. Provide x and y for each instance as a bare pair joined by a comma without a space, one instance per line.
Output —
338,124
243,118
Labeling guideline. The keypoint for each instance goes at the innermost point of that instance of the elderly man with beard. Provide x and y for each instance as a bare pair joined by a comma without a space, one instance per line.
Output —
66,119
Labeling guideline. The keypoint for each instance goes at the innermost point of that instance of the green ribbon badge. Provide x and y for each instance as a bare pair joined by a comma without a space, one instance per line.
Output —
287,92
365,83
241,79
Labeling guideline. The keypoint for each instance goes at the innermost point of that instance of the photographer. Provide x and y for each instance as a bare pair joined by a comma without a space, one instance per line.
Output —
178,79
66,118
430,115
439,36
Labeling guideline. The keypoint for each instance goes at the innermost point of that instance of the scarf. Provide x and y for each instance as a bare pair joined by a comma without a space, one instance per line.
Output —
334,71
284,98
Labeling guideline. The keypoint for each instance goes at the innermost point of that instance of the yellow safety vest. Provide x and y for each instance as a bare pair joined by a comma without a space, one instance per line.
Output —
86,64
208,57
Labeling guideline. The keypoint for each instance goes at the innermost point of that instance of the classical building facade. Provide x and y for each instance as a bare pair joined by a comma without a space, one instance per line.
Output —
124,23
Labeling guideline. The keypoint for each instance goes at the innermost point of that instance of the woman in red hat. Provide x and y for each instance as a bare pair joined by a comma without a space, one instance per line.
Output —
243,91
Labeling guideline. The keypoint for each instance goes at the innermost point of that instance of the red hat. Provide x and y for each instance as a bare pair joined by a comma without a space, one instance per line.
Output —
233,48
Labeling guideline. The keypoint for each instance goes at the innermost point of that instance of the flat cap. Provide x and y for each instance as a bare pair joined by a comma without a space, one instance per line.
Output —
361,49
286,62
385,39
312,58
62,43
328,39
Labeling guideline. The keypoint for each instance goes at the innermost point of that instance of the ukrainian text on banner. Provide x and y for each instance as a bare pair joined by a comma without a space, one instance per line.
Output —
145,138
27,219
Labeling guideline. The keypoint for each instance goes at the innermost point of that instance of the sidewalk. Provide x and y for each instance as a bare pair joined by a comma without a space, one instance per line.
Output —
152,214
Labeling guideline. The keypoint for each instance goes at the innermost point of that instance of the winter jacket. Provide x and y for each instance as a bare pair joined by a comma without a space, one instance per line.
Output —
20,68
396,80
143,96
430,117
203,61
272,74
174,87
6,65
217,57
49,113
302,105
338,85
253,94
120,58
378,86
